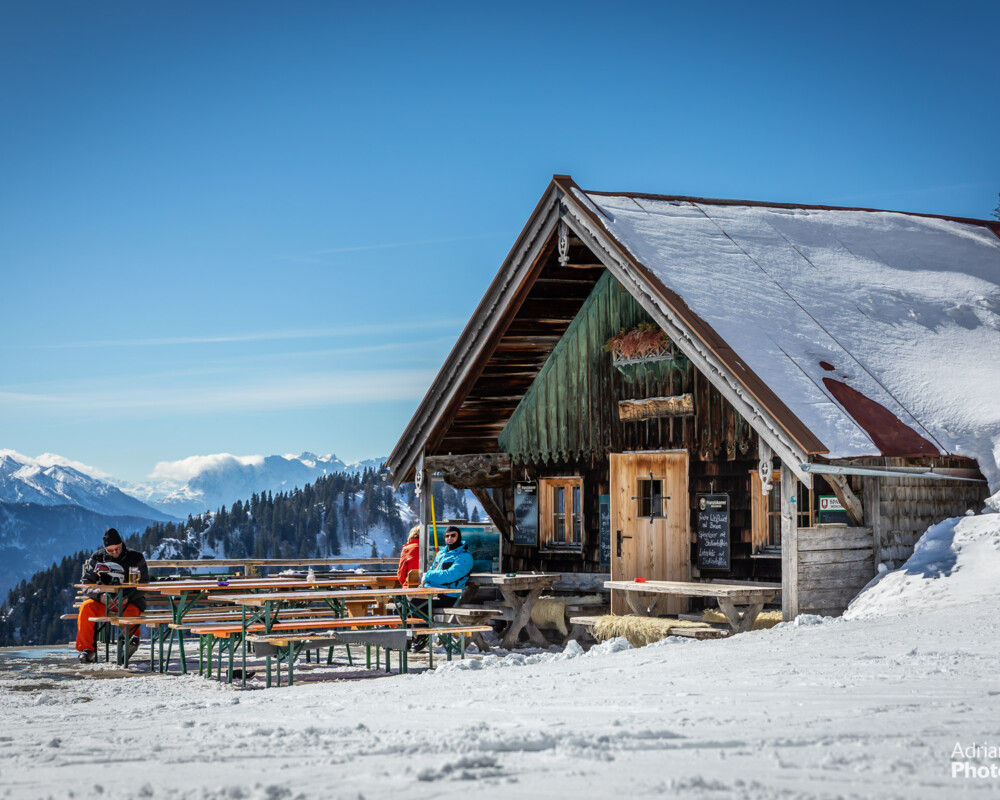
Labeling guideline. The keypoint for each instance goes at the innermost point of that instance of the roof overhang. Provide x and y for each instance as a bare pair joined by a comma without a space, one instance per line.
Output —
481,335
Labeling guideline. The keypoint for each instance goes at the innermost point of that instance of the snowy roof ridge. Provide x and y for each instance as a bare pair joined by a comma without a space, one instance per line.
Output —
851,316
992,225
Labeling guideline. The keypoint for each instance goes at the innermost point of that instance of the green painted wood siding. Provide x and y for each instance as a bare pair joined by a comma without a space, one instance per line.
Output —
570,410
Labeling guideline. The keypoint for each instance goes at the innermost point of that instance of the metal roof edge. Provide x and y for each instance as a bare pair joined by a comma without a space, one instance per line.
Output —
991,225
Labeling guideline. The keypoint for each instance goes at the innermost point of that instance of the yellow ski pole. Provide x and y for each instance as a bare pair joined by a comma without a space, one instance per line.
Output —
434,524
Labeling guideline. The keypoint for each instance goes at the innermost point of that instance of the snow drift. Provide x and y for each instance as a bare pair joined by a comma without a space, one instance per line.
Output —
955,563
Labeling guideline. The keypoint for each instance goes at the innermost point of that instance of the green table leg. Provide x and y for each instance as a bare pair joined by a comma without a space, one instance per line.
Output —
243,638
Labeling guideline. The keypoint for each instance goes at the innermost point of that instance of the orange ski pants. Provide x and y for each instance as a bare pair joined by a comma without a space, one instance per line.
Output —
85,628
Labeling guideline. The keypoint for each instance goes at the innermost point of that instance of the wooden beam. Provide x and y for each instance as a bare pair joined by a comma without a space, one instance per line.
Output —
653,407
472,470
423,480
871,491
789,545
847,498
493,511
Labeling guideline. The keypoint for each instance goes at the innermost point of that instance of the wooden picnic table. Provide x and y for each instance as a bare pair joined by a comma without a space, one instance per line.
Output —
265,606
262,599
183,595
521,590
740,603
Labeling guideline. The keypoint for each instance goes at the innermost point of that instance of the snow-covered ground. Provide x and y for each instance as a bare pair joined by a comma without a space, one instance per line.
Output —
873,705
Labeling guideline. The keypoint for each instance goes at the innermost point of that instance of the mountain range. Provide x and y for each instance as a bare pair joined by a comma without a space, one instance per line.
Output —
51,506
45,483
205,483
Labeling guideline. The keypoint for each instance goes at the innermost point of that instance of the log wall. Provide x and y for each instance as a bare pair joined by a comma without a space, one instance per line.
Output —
908,507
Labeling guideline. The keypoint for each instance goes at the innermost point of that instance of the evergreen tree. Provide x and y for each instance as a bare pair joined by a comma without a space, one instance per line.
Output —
286,525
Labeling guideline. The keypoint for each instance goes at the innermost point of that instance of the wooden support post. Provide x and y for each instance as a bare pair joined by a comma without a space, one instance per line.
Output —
789,545
847,498
423,481
871,491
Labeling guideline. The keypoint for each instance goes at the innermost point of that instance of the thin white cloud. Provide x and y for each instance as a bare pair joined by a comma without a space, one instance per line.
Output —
256,336
286,392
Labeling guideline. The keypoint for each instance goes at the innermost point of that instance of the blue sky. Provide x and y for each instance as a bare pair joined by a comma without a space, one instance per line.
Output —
255,227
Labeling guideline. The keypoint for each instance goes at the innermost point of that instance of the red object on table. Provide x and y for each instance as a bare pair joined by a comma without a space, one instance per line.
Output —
640,580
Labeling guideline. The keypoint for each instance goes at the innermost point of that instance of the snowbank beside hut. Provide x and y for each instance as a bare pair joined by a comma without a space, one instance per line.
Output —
955,563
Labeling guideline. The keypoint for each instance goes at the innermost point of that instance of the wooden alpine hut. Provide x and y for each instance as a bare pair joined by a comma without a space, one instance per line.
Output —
676,388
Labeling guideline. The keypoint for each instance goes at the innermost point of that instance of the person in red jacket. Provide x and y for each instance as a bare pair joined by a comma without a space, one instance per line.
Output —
409,557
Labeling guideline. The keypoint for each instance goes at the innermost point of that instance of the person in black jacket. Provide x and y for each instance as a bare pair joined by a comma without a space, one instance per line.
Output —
109,566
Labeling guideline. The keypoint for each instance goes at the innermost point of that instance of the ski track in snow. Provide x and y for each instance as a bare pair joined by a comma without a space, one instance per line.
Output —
856,708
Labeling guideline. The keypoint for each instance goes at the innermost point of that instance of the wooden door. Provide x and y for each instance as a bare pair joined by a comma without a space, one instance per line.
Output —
650,516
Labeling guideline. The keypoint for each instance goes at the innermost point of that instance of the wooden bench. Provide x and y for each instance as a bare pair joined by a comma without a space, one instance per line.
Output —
477,617
582,611
287,646
158,620
570,610
706,632
298,629
730,597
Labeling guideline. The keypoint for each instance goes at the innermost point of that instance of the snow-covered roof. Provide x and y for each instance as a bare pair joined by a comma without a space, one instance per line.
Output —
835,308
835,332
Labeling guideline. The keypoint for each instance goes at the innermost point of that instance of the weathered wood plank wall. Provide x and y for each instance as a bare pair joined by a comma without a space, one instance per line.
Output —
908,506
835,563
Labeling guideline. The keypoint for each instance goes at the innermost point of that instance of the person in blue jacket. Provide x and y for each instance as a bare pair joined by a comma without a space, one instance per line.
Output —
451,568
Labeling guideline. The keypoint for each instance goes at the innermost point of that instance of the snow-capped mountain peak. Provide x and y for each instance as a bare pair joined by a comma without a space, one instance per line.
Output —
197,484
49,481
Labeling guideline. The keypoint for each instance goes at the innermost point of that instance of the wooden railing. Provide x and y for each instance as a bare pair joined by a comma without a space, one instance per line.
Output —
250,564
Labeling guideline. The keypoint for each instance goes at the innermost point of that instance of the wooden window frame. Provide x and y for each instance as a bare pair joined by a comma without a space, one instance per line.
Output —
650,513
765,508
557,536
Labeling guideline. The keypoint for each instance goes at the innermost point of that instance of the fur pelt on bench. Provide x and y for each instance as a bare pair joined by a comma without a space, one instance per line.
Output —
550,612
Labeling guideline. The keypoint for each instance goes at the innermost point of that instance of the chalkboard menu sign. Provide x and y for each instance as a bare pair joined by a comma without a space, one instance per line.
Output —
713,531
604,528
526,513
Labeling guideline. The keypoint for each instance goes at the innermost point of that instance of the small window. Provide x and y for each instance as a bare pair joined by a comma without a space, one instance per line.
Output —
650,497
765,512
561,514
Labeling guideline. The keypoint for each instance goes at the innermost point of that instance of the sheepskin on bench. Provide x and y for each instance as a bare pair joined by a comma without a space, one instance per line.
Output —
640,631
550,612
